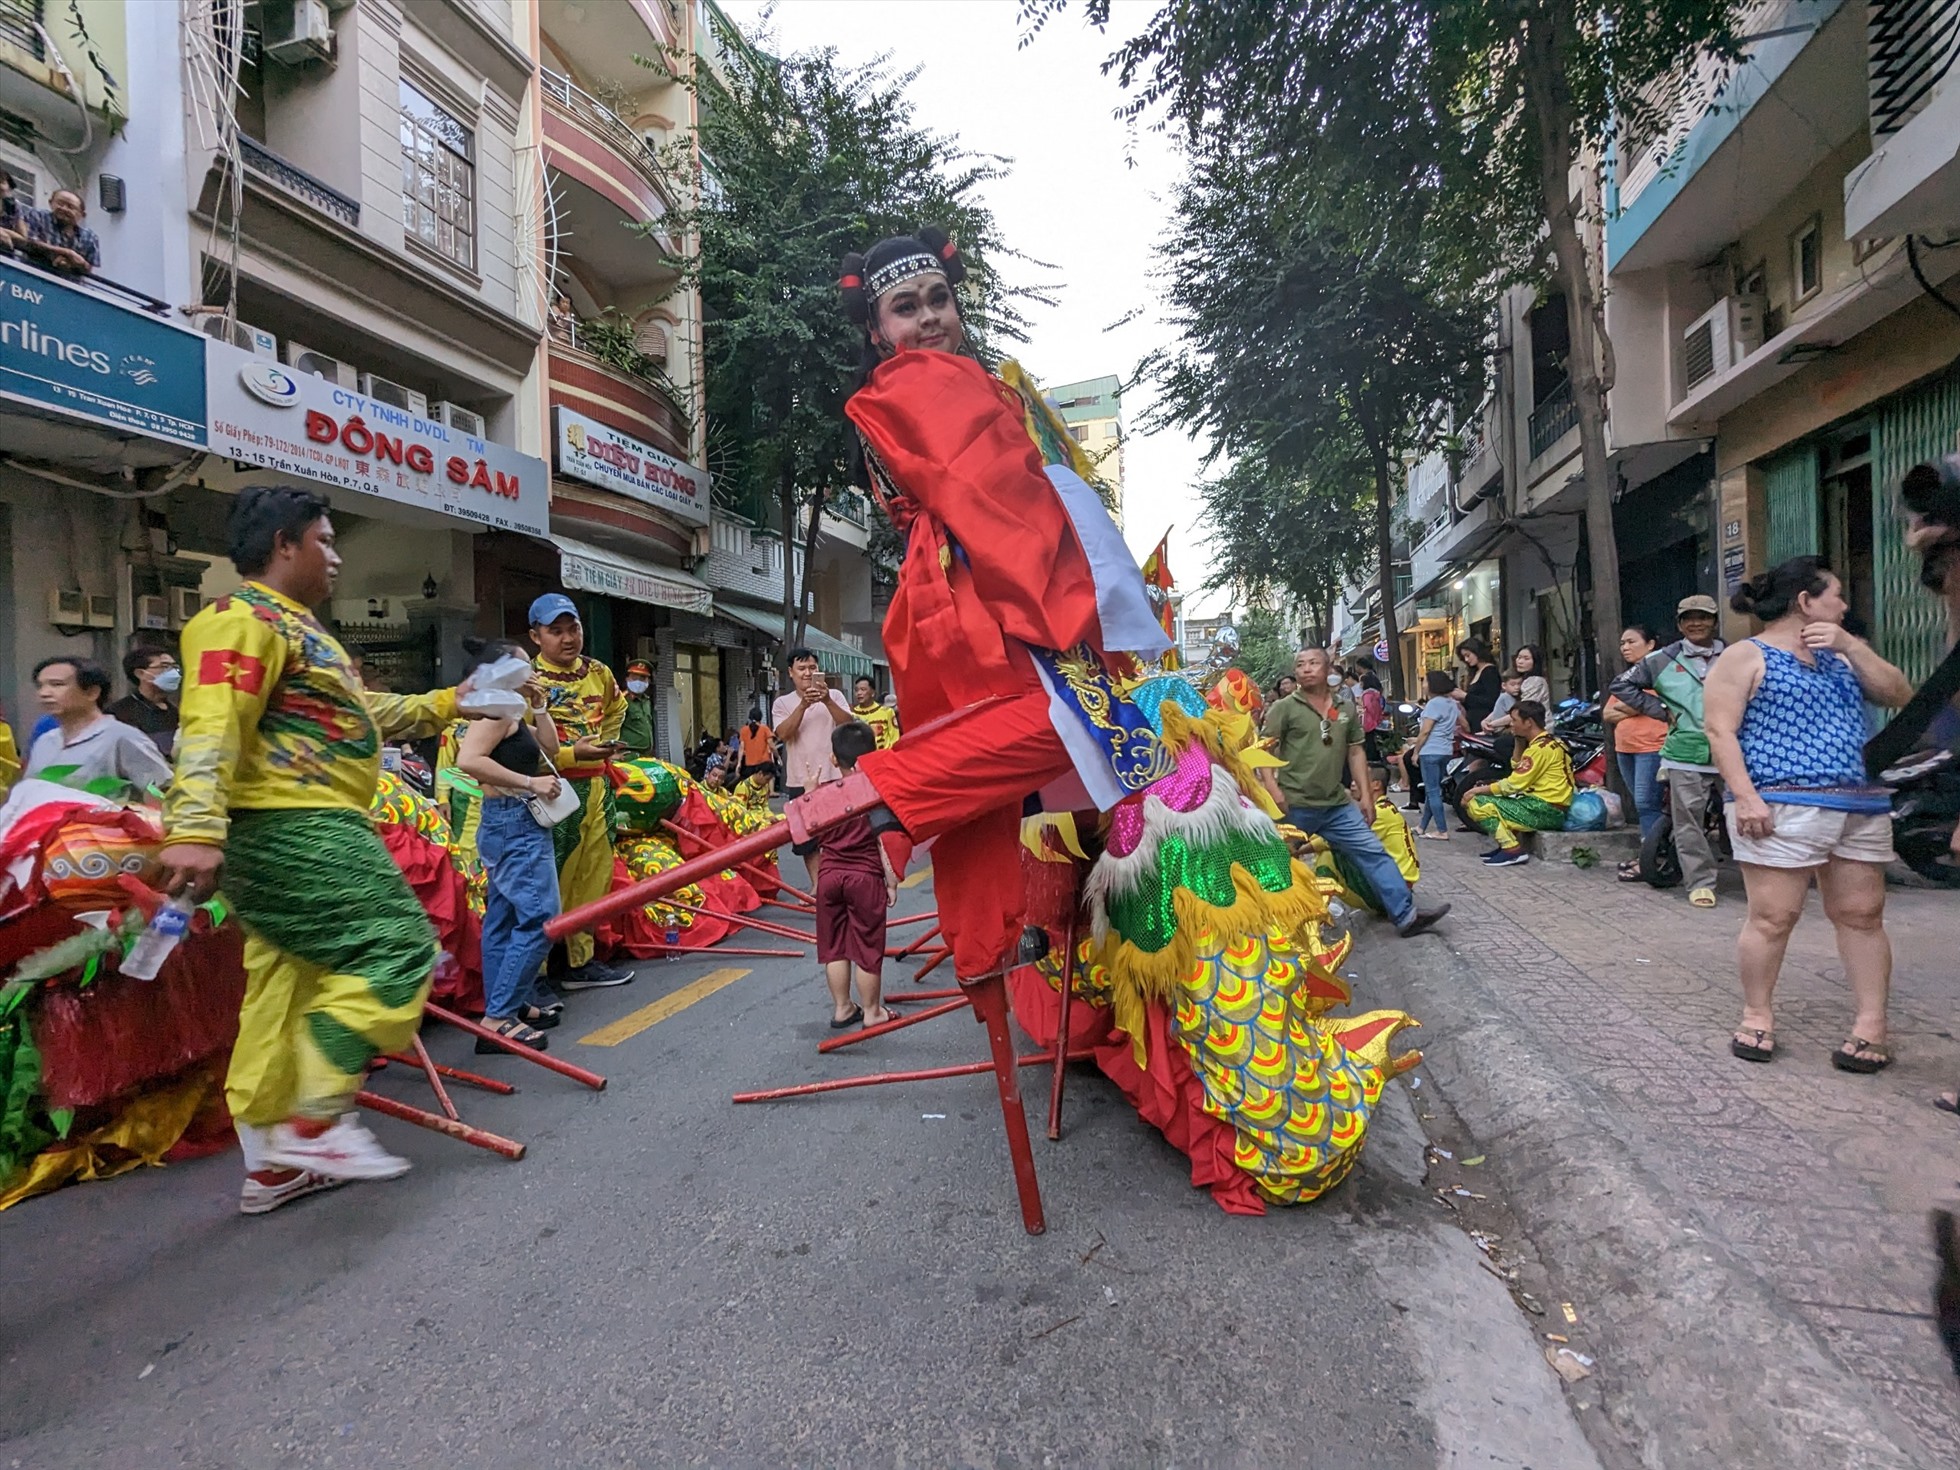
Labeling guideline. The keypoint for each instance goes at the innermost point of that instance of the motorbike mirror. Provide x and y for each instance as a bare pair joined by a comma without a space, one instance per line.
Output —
1408,709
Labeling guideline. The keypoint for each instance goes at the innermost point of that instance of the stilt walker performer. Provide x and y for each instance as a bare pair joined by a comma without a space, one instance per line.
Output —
278,756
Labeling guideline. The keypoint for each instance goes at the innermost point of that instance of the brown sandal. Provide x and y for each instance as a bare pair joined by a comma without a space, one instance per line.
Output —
1763,1050
1862,1056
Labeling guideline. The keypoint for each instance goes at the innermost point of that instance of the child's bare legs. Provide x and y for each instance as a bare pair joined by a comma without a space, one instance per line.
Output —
837,975
871,995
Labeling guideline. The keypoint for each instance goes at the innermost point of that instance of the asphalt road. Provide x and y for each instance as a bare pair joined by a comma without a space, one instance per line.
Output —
667,1279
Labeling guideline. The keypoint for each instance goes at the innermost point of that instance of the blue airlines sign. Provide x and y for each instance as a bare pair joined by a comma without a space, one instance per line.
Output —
70,350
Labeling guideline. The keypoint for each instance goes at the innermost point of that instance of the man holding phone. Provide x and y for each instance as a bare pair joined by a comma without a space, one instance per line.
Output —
589,709
804,719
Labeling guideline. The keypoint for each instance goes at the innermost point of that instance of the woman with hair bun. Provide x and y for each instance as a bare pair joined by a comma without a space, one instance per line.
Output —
1785,721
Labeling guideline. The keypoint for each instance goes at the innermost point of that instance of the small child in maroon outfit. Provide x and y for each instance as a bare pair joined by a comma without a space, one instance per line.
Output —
855,885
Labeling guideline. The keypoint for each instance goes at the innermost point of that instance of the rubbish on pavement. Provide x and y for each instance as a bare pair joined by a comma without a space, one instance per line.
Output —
1531,1304
1571,1316
1109,1295
924,1116
1473,1161
1556,1337
1569,1365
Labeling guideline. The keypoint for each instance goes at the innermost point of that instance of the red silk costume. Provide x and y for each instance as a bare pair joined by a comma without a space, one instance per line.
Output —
992,564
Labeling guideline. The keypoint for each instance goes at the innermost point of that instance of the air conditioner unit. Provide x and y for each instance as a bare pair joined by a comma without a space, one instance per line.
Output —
296,32
255,340
68,607
460,419
152,611
302,359
185,604
382,390
1720,338
101,610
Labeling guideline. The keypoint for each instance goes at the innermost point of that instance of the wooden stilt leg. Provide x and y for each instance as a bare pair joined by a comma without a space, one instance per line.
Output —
989,996
1061,1035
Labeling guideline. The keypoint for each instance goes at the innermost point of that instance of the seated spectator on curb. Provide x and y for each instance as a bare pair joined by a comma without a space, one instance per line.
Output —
1533,798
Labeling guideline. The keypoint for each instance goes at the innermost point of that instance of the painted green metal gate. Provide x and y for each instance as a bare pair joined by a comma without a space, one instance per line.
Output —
1790,493
1912,427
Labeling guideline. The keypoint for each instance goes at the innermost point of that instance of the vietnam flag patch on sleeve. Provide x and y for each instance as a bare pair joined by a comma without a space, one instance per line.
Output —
228,666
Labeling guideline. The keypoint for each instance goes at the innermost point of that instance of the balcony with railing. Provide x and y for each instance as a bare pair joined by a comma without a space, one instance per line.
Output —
296,183
587,141
1553,419
586,382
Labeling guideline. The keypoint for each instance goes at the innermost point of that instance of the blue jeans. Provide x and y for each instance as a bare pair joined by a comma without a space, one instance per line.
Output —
1348,833
1432,793
1642,773
523,895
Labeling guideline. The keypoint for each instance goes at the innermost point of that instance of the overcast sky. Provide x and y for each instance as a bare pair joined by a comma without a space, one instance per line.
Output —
1082,194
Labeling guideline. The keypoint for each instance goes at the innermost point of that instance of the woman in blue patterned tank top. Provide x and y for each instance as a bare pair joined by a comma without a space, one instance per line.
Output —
1785,721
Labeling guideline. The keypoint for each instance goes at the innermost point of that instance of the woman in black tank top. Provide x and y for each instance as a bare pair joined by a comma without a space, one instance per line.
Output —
513,759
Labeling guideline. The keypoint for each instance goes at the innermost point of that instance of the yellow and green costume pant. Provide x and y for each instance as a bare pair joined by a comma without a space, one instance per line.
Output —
338,957
583,847
1508,818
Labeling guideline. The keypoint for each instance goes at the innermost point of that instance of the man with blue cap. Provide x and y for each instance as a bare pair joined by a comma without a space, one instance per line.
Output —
587,706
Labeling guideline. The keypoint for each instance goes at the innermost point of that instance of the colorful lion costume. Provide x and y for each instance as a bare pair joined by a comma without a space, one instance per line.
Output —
1209,979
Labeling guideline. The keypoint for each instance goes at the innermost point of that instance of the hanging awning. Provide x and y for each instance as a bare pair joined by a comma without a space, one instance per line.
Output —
588,569
834,656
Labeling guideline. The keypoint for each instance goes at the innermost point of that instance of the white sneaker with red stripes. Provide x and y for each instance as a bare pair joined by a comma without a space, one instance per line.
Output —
262,1195
344,1151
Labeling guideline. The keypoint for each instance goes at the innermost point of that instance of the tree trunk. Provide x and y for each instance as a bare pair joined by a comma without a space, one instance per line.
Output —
1385,559
786,498
1549,100
814,531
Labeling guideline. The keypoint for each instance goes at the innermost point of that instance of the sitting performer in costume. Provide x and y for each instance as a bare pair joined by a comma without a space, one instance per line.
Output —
1535,797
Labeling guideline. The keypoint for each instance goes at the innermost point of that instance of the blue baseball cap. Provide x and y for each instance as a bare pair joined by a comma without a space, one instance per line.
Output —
549,608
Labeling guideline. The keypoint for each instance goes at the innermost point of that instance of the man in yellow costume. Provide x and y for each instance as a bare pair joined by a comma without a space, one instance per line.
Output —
589,709
278,756
1533,798
873,711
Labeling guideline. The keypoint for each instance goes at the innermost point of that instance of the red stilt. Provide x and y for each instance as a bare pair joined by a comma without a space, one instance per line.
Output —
916,945
543,1059
932,914
794,908
660,951
1061,1035
456,1074
780,931
879,1079
693,870
989,996
838,1043
435,1083
939,957
436,1123
775,879
912,995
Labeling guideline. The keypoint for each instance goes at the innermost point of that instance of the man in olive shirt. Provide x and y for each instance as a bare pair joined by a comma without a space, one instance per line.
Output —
1319,737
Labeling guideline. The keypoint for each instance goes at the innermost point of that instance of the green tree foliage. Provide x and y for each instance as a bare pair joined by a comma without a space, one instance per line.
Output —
801,160
1489,103
1325,335
1266,645
1281,538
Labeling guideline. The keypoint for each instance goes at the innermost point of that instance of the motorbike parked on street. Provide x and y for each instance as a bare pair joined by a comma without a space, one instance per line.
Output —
1925,806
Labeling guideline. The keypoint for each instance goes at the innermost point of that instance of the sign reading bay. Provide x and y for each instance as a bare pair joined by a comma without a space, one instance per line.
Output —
68,349
589,451
269,415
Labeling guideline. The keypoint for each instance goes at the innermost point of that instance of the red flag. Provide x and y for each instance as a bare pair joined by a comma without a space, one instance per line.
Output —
1157,566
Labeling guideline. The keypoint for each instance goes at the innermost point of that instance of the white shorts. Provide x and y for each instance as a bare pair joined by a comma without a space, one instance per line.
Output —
1810,836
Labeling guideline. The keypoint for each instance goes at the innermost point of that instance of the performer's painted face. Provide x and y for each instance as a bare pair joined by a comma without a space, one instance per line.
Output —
918,313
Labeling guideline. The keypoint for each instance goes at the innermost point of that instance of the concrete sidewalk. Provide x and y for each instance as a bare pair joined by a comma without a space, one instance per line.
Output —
1753,1239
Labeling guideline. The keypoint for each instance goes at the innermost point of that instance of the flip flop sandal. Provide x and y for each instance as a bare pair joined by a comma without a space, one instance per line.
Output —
1849,1060
512,1029
1947,1102
856,1015
1629,872
891,1014
1764,1050
542,1017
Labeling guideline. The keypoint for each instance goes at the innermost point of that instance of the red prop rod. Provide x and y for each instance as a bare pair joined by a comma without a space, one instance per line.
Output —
838,1043
780,931
543,1059
436,1123
693,870
750,868
876,1079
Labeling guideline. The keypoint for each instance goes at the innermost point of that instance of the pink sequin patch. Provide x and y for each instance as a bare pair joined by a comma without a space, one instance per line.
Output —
1126,827
1189,786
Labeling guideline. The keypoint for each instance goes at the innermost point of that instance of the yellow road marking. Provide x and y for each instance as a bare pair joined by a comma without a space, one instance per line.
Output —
629,1026
917,878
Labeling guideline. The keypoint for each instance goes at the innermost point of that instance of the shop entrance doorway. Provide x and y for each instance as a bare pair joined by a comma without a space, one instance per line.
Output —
697,692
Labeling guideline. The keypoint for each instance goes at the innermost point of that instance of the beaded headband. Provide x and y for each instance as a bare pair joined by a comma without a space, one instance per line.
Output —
903,269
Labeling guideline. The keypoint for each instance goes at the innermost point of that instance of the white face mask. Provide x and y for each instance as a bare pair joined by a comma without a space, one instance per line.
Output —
636,686
170,680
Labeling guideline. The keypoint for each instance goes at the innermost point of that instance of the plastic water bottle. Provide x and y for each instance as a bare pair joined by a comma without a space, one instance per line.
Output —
673,944
162,935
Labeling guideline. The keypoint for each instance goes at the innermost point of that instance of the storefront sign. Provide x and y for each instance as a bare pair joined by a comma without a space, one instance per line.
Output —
1734,564
265,414
590,451
584,569
66,348
1381,651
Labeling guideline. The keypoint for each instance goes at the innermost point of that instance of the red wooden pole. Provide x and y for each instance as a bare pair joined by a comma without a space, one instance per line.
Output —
750,868
932,914
456,1074
916,945
879,1079
660,951
912,995
435,1083
938,958
989,994
1061,1034
693,870
436,1123
838,1043
550,1063
780,931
